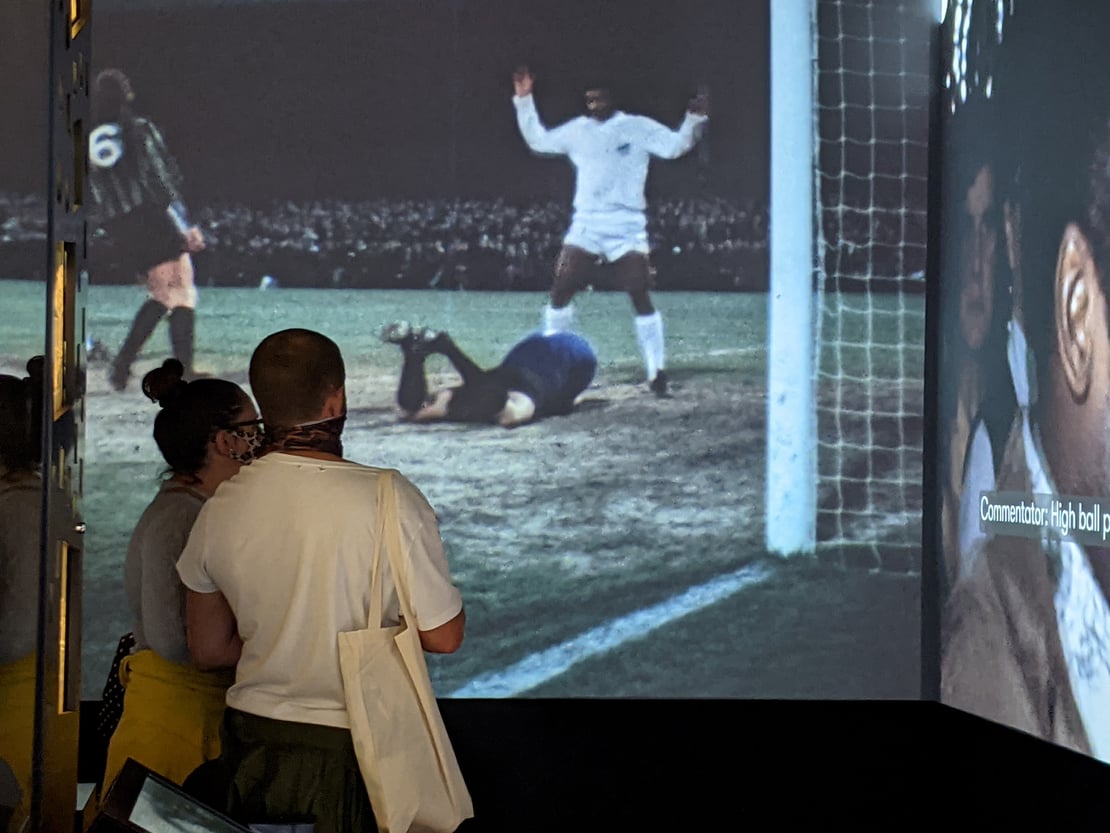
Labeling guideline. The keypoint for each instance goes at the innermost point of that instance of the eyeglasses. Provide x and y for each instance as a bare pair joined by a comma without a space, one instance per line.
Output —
246,429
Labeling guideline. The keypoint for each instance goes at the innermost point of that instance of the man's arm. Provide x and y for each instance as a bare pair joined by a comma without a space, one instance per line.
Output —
165,183
536,135
445,639
432,594
163,177
671,144
211,631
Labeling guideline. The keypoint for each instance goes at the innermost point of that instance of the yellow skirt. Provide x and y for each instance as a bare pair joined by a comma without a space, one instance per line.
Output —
17,728
171,717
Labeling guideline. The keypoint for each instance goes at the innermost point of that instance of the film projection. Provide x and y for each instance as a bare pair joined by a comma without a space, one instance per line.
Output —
1023,409
356,164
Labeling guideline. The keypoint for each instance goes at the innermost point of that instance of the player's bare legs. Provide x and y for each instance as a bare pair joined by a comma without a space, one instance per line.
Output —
633,273
171,287
161,299
146,319
173,284
571,269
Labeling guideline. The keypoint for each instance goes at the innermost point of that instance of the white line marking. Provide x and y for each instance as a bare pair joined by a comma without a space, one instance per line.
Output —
545,665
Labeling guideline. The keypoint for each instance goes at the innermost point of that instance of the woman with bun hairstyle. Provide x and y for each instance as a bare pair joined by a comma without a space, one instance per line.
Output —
207,429
20,554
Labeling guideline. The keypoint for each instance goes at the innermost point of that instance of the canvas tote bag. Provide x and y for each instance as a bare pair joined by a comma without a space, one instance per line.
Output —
403,751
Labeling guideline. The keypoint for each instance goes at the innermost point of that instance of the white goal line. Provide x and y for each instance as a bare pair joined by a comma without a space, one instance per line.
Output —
542,666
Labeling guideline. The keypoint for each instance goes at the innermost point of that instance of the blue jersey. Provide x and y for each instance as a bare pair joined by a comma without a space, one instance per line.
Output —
550,369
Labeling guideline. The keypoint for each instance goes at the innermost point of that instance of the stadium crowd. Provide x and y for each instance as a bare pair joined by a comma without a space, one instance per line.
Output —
704,243
700,244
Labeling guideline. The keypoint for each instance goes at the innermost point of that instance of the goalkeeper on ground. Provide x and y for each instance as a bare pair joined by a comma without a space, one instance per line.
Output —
541,376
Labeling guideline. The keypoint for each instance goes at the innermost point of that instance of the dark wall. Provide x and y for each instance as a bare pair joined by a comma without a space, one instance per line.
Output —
395,97
631,766
24,33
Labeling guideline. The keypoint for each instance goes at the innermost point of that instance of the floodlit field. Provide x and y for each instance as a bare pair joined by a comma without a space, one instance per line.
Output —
614,552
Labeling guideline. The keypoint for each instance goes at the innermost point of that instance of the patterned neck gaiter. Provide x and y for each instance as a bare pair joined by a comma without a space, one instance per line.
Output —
312,436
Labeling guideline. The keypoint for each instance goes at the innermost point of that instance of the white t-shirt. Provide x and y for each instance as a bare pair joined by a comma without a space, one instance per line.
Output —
290,542
611,157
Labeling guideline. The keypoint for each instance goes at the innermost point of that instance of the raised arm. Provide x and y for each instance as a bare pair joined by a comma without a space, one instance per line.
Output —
670,144
536,135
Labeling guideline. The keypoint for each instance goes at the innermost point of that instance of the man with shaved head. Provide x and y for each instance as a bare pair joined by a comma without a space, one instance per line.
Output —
278,564
292,374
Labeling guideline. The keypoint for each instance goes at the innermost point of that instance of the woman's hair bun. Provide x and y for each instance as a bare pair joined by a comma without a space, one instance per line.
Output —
165,383
36,370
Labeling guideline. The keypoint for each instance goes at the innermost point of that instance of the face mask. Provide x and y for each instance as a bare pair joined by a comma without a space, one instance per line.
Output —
251,434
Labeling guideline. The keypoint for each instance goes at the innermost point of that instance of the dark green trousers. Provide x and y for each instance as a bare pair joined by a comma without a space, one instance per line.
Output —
283,773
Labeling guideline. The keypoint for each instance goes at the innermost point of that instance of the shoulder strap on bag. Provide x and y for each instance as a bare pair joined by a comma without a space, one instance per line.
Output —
390,540
374,618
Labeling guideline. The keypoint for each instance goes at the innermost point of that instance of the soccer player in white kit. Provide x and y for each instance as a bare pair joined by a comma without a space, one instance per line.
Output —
610,151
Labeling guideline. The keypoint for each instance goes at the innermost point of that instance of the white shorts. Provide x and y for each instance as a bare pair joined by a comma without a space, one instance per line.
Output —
172,284
609,239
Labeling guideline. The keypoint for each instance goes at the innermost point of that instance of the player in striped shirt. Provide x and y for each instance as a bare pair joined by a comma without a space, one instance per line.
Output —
136,189
611,151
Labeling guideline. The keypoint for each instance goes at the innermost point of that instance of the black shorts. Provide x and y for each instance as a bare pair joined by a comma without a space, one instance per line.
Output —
136,242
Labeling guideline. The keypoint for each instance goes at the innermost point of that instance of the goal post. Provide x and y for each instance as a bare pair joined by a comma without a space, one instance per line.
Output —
850,92
791,461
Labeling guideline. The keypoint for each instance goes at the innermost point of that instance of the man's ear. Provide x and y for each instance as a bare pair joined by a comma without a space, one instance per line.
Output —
333,405
1077,295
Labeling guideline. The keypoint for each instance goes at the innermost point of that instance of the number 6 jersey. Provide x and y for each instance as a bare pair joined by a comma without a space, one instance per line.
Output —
130,167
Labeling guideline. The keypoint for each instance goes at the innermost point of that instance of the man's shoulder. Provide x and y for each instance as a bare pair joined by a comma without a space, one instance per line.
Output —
142,124
272,471
1002,658
1019,571
1006,600
173,502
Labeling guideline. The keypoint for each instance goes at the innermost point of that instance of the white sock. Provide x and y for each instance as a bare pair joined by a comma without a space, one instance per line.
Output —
557,320
649,335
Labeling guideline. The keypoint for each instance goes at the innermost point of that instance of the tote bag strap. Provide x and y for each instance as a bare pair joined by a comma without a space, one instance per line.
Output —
413,657
389,539
374,617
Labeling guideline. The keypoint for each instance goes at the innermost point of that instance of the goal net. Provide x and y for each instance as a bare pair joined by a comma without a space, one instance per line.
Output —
872,80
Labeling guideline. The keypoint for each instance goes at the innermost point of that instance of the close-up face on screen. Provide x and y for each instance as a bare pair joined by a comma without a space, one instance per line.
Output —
363,169
1025,378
